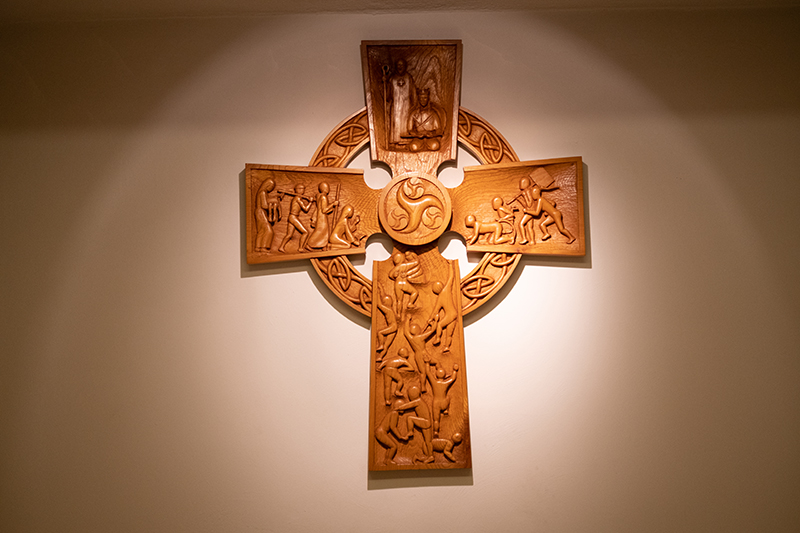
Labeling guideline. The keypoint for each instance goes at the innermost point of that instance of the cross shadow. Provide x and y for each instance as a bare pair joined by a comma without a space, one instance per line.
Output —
419,478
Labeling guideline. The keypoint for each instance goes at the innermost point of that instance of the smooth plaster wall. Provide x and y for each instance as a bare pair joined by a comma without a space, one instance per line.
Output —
151,381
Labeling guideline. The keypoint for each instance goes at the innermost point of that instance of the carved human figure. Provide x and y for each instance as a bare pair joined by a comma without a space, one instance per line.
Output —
541,204
424,124
406,272
387,334
443,317
525,231
319,237
498,231
420,420
440,386
399,98
392,380
445,446
388,432
268,212
504,215
418,339
298,204
342,233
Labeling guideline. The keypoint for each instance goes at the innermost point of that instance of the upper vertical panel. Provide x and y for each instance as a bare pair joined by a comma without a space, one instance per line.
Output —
413,93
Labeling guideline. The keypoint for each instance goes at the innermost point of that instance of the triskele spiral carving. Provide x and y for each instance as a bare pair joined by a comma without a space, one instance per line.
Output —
416,207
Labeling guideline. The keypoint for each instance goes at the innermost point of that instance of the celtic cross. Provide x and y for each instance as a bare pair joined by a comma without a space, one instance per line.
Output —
416,299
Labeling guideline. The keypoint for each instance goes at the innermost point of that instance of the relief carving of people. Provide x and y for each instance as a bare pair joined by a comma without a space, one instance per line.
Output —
267,212
407,272
299,203
392,380
445,446
424,124
443,318
525,231
440,386
319,237
542,205
533,205
420,420
399,97
388,432
498,231
417,339
387,334
343,232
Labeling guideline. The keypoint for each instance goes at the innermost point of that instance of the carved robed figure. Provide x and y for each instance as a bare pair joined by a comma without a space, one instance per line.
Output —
416,299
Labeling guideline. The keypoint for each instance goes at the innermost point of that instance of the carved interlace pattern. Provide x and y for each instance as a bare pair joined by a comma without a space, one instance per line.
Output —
491,273
355,289
483,140
343,142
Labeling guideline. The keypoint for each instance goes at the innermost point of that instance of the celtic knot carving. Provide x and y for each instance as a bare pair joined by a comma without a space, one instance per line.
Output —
343,142
346,282
483,140
490,274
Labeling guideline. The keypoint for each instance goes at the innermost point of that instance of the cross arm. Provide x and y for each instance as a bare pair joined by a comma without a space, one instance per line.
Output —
305,212
527,207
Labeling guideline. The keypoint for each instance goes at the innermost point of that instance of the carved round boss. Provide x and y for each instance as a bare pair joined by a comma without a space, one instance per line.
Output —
414,208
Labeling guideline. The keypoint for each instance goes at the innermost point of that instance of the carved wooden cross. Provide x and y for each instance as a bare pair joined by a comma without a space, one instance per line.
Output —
413,123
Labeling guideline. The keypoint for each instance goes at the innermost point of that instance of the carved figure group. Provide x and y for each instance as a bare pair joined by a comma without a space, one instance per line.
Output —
415,383
507,228
415,122
406,273
328,227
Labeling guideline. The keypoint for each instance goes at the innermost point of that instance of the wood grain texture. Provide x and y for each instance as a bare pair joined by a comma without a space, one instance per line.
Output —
304,212
419,413
413,92
527,207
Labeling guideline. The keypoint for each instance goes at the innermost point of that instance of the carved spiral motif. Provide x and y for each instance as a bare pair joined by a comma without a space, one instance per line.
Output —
416,206
339,274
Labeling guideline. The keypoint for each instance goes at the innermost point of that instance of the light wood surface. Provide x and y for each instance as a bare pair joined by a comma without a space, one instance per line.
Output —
419,417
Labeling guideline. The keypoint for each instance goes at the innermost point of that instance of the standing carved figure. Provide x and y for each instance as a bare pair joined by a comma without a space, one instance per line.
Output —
268,212
440,386
553,215
406,272
417,339
445,312
525,231
387,334
399,100
298,204
319,237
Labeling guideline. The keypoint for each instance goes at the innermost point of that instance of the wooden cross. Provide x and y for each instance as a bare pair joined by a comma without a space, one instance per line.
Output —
413,123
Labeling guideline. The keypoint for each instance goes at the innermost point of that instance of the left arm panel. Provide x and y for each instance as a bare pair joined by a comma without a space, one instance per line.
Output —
303,212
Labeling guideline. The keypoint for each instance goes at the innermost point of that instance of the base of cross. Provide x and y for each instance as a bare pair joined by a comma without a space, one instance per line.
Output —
419,415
